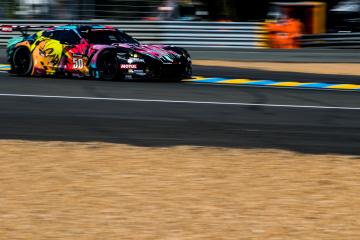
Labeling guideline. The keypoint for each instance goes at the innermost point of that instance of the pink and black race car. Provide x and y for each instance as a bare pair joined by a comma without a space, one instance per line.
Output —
101,52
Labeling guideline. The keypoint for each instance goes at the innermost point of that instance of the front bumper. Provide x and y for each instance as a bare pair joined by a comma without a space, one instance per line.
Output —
163,71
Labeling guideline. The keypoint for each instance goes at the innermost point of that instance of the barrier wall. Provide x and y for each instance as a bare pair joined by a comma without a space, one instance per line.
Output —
186,34
195,34
331,40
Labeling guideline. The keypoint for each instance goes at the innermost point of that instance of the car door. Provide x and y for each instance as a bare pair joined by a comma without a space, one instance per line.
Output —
75,49
47,53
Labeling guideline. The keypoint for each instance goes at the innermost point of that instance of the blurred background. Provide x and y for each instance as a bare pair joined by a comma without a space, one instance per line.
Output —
203,10
263,22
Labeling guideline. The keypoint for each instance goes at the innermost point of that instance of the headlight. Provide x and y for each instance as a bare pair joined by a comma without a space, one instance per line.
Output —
186,55
134,55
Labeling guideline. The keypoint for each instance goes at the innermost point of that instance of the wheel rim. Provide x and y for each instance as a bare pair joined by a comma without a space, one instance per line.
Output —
22,61
108,66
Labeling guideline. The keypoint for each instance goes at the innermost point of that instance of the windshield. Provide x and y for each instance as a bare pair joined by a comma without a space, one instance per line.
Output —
106,36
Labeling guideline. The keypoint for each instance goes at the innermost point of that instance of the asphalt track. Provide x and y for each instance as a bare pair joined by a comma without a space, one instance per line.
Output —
314,55
170,114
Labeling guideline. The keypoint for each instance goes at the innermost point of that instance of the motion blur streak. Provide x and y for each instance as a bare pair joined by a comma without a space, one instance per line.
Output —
177,101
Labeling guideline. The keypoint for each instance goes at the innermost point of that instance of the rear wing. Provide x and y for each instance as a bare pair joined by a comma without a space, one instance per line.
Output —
23,29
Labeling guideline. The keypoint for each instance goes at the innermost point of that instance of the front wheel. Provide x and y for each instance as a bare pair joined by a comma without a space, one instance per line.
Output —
187,74
188,71
108,66
21,62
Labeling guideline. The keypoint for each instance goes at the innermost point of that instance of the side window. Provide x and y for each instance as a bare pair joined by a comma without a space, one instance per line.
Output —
56,35
48,34
67,37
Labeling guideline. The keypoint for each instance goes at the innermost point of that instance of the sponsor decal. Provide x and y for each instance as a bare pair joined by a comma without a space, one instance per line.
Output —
6,28
139,72
135,60
77,55
128,77
128,66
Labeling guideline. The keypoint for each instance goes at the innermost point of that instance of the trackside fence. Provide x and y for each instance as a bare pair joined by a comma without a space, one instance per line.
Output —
186,34
331,40
234,35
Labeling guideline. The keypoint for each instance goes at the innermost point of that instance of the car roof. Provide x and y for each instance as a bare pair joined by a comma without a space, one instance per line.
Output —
82,27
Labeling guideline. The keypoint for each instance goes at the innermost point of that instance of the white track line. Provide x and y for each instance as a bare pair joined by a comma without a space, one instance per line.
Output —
178,101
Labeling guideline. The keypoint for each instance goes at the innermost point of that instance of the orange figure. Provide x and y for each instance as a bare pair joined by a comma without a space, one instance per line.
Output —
284,33
294,29
272,29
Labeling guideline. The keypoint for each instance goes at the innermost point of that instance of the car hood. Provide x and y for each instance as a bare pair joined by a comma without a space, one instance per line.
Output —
154,51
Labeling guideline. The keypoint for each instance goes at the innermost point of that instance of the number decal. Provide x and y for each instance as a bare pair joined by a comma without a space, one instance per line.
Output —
78,63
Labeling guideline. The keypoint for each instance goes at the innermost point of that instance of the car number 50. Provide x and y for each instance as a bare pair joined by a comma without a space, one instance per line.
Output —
78,63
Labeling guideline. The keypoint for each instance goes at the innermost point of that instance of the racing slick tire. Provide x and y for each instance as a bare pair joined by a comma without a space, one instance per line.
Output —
21,62
188,71
187,74
108,66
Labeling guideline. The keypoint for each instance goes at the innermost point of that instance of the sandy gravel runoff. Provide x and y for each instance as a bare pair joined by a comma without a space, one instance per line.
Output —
85,191
352,69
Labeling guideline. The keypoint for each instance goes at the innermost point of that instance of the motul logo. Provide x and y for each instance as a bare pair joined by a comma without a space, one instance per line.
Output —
128,66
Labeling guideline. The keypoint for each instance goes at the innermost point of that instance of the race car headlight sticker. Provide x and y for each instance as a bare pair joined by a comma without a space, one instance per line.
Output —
135,60
134,55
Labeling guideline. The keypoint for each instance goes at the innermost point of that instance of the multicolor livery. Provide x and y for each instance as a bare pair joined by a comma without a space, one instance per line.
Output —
101,52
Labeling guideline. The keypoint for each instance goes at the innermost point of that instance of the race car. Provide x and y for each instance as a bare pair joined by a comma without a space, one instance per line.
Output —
101,52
